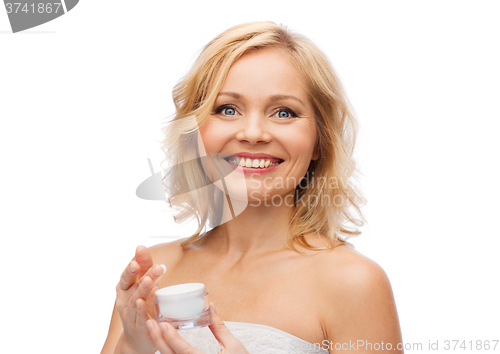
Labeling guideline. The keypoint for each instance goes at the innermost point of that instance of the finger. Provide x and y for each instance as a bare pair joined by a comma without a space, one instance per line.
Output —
145,285
144,259
140,290
220,331
151,307
141,314
175,341
129,276
157,337
149,280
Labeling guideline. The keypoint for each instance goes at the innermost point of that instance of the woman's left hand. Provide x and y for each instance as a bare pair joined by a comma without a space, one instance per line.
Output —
168,341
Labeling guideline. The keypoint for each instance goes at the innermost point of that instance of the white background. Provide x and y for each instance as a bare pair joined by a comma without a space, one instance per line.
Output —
81,103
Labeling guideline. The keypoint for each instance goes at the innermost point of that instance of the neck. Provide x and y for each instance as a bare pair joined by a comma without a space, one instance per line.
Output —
260,228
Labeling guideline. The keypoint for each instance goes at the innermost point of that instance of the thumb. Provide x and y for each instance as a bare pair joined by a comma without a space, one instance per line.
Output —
220,331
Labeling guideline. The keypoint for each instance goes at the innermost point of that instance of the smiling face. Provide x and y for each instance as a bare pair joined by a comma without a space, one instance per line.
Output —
262,120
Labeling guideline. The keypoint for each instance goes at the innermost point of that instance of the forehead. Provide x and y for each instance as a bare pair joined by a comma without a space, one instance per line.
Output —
265,72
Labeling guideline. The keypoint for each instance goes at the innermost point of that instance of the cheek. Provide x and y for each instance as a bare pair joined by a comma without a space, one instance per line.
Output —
215,133
209,139
207,143
301,144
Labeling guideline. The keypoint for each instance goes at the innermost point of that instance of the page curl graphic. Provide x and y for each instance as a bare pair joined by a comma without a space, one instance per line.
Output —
25,14
213,183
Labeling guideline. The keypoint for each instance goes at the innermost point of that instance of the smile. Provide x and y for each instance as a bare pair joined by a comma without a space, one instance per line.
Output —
249,166
252,163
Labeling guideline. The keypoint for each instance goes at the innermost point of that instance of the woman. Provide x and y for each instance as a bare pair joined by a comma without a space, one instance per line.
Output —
262,146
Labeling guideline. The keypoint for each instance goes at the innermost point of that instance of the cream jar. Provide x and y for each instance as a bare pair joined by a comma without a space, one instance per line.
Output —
183,305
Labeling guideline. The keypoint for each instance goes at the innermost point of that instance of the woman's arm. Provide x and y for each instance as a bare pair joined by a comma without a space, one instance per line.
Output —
114,332
361,316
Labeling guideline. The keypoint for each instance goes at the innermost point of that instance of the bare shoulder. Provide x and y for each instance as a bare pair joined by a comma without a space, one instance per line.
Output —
344,269
355,297
167,253
343,276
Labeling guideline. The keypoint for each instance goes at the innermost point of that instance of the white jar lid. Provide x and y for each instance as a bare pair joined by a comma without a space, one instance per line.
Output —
179,291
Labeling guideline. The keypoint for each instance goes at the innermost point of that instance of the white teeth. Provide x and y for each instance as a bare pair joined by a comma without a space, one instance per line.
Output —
255,163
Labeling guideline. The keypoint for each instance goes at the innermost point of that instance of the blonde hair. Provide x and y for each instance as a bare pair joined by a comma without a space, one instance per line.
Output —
194,97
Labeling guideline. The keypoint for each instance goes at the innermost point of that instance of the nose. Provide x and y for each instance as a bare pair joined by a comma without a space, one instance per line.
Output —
253,130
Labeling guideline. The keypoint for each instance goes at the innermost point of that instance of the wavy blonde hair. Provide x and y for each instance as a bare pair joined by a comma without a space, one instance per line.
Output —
333,174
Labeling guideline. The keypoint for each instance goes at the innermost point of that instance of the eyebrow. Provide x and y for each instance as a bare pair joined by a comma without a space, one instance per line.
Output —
272,98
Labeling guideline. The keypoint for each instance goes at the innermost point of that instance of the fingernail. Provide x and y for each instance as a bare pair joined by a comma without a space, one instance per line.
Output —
149,325
163,327
131,268
157,272
144,284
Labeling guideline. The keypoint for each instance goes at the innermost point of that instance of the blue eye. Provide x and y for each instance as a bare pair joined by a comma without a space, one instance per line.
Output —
225,110
228,111
283,114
